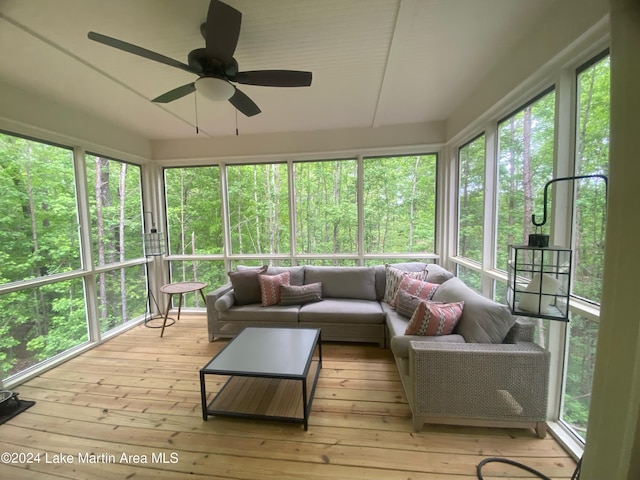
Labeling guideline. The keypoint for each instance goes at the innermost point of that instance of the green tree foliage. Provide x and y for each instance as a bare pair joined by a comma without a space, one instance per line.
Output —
258,208
471,159
525,165
38,238
326,206
399,204
39,234
194,210
115,204
592,156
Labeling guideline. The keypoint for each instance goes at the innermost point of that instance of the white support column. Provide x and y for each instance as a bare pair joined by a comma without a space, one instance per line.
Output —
613,438
446,205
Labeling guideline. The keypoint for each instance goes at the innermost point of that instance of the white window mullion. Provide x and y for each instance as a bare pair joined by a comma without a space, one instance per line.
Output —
490,206
84,221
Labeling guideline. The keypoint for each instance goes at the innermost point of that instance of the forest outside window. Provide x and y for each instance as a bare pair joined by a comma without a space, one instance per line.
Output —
194,210
525,165
115,204
43,313
399,199
258,197
589,222
326,207
471,187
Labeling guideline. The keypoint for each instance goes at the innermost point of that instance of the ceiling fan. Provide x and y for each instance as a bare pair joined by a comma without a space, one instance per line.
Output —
214,64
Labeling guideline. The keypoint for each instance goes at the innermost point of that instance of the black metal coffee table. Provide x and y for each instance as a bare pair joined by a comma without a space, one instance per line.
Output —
273,375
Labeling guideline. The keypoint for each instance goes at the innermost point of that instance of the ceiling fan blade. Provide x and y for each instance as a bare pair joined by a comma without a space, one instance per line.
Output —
244,104
222,31
142,52
274,78
176,93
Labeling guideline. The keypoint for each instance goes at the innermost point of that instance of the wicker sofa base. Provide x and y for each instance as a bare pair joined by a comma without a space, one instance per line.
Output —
484,385
419,422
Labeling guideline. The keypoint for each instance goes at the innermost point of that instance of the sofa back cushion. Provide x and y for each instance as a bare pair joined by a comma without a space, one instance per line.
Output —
343,282
482,320
437,274
296,273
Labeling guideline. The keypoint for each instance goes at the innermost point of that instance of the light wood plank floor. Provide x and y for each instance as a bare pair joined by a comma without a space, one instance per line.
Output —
132,406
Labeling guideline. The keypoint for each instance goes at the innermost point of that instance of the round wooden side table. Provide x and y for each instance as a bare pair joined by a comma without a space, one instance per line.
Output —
180,288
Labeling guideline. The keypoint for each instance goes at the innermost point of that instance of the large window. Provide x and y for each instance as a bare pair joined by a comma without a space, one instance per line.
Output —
321,210
42,314
39,220
51,278
258,208
115,204
592,156
326,208
195,226
471,168
525,164
399,204
194,210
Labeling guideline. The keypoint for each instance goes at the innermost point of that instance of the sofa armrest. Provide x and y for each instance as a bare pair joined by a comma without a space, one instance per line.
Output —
522,331
483,381
212,313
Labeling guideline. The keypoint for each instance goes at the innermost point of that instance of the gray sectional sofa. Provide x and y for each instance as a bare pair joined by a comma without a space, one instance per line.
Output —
486,372
351,308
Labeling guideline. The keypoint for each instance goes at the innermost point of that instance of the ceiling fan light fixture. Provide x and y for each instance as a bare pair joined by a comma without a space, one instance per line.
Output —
214,89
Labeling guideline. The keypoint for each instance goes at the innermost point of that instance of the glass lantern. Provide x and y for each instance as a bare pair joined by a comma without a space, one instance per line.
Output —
538,281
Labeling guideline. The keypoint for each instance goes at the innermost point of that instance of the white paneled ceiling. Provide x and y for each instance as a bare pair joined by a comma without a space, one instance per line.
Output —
374,62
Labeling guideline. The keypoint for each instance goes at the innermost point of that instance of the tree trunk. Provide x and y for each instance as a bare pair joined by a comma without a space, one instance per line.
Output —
336,201
414,188
103,199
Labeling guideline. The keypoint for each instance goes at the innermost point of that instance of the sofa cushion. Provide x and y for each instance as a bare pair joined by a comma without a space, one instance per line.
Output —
417,288
256,314
397,325
393,279
245,284
337,310
300,294
437,274
270,287
343,282
434,319
297,273
482,320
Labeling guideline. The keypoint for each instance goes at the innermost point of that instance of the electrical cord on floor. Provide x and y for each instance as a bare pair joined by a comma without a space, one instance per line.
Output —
575,476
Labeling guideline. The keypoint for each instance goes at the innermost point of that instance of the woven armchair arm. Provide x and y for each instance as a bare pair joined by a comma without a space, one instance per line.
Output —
474,380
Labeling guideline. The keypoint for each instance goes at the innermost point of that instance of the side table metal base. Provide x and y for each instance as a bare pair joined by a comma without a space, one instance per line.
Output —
170,321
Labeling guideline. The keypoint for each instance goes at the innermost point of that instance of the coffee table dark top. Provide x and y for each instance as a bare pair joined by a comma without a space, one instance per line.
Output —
269,352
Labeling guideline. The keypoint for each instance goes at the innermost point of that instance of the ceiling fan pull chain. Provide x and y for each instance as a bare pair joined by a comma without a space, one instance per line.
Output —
195,101
236,122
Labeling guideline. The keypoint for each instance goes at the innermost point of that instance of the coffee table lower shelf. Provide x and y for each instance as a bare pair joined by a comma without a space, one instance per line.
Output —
266,398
